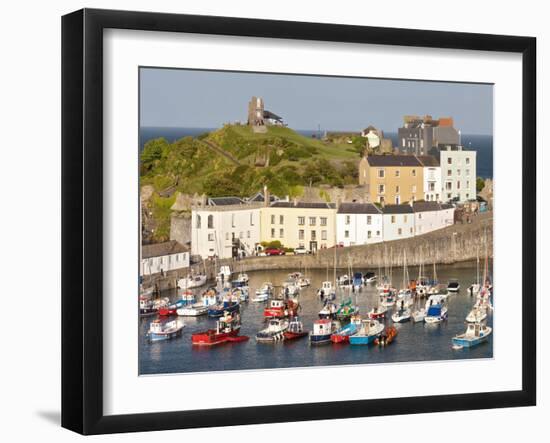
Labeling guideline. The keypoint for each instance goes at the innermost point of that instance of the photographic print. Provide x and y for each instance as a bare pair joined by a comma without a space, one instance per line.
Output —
291,221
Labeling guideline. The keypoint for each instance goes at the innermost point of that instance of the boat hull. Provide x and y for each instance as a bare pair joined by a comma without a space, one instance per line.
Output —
294,335
362,339
469,343
161,336
211,338
218,311
318,339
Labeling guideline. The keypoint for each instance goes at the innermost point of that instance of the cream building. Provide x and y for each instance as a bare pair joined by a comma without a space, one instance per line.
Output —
163,257
299,224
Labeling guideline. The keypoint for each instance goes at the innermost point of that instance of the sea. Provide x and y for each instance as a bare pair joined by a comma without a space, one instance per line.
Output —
483,144
415,342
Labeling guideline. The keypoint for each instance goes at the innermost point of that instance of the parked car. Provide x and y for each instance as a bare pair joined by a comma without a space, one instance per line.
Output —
301,251
274,251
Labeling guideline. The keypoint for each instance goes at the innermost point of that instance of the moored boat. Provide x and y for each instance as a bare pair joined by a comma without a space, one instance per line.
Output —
367,333
326,291
192,281
346,310
147,307
436,313
279,308
322,330
401,316
378,312
229,303
164,331
453,285
418,315
329,310
295,329
194,310
387,337
274,331
343,334
475,334
477,314
227,330
369,277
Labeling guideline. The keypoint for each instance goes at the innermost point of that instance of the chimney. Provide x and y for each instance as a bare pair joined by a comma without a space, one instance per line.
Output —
295,201
267,197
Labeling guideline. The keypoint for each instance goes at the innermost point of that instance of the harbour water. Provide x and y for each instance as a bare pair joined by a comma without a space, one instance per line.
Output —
414,342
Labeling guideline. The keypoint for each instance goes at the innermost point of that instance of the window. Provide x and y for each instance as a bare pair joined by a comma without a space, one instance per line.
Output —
405,218
397,189
381,199
232,220
281,219
169,259
467,195
378,233
403,142
312,221
420,216
232,236
251,219
458,184
323,221
198,223
458,172
467,183
393,218
281,233
411,230
323,235
301,221
313,235
210,222
369,234
247,234
272,232
449,196
227,235
467,160
381,189
400,231
346,234
397,173
467,172
431,186
397,200
178,257
301,234
449,161
272,219
414,188
414,172
449,172
380,173
369,219
348,219
211,236
448,186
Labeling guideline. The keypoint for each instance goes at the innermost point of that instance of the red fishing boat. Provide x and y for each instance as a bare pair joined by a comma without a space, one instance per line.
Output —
279,308
168,310
227,330
295,330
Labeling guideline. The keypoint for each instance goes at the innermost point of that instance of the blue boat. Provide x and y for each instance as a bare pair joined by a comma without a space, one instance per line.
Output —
322,330
367,333
436,313
358,279
164,331
343,334
475,334
226,306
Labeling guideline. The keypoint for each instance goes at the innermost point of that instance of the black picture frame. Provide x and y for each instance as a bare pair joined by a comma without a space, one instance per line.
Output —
82,218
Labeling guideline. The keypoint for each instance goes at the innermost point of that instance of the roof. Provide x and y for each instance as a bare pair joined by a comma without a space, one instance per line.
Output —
303,205
397,209
259,197
426,206
393,160
161,249
269,114
358,208
428,160
446,206
222,201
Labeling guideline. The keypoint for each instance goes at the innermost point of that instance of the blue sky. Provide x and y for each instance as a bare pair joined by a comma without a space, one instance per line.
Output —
207,99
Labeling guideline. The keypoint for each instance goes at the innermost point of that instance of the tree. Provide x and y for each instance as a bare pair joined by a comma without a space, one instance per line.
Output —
480,184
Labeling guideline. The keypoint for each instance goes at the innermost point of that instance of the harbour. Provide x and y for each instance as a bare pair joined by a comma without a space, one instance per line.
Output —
415,341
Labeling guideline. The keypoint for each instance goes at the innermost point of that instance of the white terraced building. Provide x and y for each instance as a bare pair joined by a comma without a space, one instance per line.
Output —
398,222
358,224
225,227
431,216
163,257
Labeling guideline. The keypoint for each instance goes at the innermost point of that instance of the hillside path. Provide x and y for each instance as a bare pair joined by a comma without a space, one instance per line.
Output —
220,151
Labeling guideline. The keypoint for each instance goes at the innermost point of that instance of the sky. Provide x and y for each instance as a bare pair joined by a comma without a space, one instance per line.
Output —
208,99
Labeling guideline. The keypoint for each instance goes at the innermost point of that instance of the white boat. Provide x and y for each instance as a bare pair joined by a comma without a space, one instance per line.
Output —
210,297
326,291
194,310
274,331
164,331
418,315
453,285
264,292
378,312
344,282
241,292
401,316
369,277
475,334
477,314
304,282
192,281
225,274
329,310
436,312
242,278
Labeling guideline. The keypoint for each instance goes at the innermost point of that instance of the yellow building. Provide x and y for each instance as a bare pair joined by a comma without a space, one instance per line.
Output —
392,179
299,224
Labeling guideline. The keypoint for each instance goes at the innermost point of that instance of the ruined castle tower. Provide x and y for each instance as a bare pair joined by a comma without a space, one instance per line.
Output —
256,112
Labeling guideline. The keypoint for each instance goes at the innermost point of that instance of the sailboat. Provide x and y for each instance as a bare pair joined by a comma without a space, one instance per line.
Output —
473,289
193,280
347,308
436,311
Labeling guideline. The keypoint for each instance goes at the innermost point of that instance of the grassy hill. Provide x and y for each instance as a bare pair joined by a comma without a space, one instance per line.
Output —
234,160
